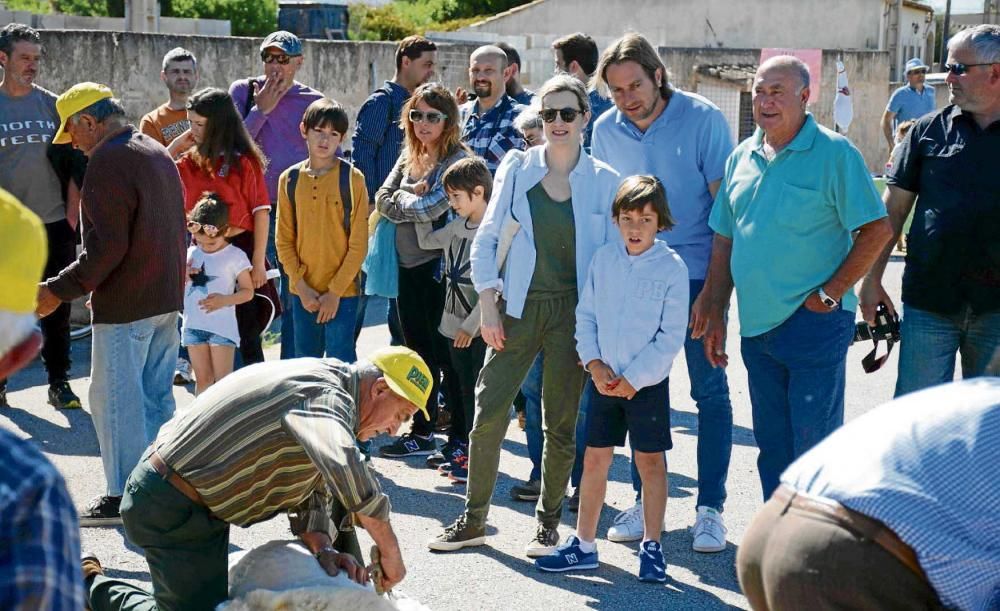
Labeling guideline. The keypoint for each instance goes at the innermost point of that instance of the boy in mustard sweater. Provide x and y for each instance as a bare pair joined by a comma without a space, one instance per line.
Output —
322,242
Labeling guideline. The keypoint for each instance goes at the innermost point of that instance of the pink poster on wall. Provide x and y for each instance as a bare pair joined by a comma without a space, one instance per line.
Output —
812,57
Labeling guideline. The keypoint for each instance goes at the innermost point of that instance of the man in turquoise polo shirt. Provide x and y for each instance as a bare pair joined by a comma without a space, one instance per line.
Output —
682,139
791,196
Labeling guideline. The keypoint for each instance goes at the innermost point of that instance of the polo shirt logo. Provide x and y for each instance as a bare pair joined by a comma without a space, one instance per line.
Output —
418,379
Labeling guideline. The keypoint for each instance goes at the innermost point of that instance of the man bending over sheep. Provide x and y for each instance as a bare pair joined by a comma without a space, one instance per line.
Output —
279,436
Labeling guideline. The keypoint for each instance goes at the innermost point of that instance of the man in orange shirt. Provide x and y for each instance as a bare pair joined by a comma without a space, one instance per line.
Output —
180,75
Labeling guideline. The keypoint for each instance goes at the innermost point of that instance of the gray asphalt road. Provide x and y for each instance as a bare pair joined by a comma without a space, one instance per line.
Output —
498,576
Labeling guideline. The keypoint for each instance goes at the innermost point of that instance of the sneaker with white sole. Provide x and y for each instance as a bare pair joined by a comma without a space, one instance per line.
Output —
543,543
628,525
409,445
652,565
182,373
458,535
709,531
568,557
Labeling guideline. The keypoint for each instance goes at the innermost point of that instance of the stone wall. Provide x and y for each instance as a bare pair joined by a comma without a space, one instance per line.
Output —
130,64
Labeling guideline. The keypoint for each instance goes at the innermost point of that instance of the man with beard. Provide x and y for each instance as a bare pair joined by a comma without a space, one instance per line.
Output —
488,121
28,120
180,75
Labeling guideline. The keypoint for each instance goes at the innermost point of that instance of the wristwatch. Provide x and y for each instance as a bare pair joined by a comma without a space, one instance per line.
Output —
324,550
828,301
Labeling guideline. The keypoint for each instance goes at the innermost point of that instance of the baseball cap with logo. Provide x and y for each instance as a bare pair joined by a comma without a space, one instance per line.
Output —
406,374
286,41
916,64
75,99
22,257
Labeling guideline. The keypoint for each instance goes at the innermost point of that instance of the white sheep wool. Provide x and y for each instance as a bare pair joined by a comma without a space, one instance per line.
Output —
283,575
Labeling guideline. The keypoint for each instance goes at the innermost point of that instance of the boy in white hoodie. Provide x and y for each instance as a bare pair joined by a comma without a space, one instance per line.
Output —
630,324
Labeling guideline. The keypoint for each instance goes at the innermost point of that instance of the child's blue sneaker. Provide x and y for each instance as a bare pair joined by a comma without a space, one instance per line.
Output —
568,557
652,566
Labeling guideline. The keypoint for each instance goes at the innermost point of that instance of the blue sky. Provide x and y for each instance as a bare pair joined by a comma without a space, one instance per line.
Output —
958,6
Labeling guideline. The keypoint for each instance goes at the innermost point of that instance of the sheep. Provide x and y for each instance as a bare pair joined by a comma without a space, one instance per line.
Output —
284,576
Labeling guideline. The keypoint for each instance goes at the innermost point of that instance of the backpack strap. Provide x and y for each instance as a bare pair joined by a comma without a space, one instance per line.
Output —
293,181
250,97
346,194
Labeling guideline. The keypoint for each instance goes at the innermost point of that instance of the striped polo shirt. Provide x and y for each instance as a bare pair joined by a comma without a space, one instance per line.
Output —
276,437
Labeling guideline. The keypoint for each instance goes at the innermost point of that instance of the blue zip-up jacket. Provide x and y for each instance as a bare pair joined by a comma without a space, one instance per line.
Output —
633,312
593,185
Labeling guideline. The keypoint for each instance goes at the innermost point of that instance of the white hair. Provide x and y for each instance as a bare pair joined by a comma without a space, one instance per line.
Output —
788,62
14,329
984,40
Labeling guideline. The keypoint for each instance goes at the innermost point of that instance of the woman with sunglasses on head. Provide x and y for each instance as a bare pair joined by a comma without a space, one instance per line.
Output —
218,280
561,197
414,193
218,155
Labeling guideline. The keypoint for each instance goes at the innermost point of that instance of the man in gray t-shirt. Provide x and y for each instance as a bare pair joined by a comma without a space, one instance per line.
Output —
28,120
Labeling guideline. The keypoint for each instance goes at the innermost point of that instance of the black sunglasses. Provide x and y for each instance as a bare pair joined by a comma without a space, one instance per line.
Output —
566,114
209,230
432,117
270,58
960,69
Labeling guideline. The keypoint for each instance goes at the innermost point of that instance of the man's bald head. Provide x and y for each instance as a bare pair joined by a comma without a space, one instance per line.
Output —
489,53
788,63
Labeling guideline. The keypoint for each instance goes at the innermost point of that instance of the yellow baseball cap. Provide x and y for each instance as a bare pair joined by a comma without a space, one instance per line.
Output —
22,257
406,374
75,99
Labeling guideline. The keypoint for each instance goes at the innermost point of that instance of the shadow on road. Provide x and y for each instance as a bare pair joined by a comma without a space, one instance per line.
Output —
76,439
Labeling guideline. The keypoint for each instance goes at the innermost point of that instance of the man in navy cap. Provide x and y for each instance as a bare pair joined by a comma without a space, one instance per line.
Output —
272,106
911,101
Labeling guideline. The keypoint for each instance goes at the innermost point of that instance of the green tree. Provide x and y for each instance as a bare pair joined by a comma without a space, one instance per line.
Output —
248,18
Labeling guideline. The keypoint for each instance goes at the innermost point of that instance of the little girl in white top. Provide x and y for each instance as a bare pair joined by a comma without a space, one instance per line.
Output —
218,280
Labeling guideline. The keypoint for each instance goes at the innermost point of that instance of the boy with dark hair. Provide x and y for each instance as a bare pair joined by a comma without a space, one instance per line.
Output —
469,184
630,324
322,236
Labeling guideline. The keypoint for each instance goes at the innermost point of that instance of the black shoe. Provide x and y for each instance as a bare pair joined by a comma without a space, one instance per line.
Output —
3,398
61,396
90,566
528,491
409,445
102,511
574,501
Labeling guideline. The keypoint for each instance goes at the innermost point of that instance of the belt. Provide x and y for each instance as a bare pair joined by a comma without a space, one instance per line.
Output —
175,480
868,528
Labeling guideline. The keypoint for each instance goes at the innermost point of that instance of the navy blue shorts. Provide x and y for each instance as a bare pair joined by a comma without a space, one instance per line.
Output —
646,419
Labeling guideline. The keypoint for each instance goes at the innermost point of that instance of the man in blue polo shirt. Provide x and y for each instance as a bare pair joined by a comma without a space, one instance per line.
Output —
911,101
791,196
683,140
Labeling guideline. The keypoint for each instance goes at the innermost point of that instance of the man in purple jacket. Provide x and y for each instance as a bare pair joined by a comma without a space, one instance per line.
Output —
272,106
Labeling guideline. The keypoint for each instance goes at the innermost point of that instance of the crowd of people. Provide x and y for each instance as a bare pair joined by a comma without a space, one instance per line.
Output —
559,245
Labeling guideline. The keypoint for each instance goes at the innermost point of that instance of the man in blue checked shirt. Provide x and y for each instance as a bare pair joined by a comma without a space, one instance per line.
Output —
39,533
488,121
912,521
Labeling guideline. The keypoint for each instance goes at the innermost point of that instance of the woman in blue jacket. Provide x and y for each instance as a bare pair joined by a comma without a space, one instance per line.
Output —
561,198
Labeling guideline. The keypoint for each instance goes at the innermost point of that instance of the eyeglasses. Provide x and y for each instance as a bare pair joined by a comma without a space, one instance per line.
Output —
566,114
960,69
270,58
432,117
209,230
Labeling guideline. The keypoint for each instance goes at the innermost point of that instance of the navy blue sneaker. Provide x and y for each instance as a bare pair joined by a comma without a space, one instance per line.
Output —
568,557
652,566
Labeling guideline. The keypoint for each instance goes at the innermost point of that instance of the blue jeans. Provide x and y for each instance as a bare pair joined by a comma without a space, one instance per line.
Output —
334,339
531,388
796,372
929,342
131,390
285,296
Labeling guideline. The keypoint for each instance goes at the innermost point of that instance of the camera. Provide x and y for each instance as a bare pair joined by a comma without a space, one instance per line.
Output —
886,329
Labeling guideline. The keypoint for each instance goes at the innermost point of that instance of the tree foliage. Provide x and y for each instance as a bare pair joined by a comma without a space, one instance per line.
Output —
248,18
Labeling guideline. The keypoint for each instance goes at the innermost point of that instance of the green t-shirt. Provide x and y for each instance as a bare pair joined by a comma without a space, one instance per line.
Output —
555,246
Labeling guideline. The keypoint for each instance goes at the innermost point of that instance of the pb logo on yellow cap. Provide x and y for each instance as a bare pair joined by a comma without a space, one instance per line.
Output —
418,379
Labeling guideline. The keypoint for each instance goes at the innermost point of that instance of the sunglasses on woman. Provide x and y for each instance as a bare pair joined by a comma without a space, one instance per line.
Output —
959,69
566,114
432,117
209,230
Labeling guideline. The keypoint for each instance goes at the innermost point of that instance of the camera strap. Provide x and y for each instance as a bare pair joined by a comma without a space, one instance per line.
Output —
871,363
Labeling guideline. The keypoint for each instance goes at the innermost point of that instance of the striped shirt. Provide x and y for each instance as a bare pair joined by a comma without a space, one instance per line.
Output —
491,134
276,437
929,471
39,535
378,137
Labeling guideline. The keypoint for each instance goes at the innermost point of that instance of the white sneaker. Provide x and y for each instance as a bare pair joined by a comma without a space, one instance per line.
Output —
628,525
709,531
182,373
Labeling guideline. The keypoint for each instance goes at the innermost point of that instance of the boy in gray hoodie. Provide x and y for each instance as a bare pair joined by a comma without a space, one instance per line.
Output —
630,324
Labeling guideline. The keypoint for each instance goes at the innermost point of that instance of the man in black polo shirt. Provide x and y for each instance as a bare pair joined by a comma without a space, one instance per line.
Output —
951,282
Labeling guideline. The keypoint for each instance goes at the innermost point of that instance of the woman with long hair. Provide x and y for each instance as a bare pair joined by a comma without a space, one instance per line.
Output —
414,193
561,198
217,155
